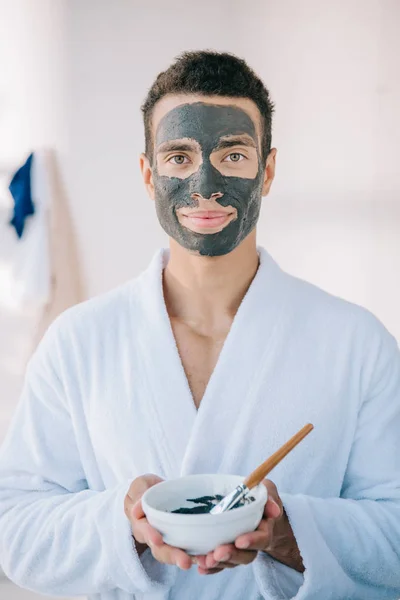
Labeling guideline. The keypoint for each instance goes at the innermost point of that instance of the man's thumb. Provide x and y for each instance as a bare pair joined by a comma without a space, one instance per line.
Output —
273,509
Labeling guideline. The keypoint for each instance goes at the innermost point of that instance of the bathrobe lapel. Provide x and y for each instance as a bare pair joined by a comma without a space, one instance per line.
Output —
192,441
169,404
228,408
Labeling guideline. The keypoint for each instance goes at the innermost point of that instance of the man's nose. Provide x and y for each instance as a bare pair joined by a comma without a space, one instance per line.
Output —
207,182
214,196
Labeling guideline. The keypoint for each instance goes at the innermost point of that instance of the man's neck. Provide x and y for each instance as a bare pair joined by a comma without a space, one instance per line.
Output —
201,289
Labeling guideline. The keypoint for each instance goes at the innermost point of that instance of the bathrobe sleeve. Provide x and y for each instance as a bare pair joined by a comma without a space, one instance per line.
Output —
351,545
56,535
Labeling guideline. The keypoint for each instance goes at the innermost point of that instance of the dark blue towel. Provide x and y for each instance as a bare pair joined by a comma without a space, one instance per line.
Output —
20,188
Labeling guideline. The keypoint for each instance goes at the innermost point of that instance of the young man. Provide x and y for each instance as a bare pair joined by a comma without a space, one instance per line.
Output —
207,362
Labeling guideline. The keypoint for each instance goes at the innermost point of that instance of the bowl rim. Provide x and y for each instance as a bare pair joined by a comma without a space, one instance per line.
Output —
230,515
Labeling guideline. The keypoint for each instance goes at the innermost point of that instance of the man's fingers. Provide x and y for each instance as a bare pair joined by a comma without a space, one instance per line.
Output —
223,553
214,571
200,560
136,510
228,554
258,540
144,533
241,557
171,556
217,569
140,485
136,490
273,507
210,562
272,510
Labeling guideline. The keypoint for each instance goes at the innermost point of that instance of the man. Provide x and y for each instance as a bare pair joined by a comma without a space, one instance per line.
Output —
207,362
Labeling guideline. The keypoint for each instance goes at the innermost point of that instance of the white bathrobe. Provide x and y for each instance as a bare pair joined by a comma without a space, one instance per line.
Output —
106,400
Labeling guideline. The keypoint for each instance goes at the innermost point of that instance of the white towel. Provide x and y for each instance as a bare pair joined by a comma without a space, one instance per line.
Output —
106,400
30,273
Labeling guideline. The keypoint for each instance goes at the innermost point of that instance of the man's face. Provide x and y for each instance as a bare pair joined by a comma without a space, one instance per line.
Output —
207,172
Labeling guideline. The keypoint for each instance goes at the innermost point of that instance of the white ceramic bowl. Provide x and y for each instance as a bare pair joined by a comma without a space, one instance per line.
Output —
202,533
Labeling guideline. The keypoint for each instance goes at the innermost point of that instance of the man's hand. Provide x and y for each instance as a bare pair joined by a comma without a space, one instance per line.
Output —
144,535
274,536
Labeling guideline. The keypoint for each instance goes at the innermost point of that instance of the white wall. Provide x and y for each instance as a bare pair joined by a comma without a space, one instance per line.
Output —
32,115
333,216
32,78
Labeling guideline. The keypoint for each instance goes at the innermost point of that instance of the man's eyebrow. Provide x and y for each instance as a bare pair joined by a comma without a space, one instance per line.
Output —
235,140
176,145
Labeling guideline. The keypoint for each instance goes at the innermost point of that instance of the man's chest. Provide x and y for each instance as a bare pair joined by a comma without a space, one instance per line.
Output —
199,355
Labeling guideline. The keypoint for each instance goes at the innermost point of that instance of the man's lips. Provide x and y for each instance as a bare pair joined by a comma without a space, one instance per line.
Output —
207,214
207,219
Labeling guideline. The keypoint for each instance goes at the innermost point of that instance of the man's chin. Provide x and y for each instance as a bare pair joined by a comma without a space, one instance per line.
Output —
207,245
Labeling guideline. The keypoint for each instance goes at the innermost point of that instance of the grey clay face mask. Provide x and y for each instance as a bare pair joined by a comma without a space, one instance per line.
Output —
207,123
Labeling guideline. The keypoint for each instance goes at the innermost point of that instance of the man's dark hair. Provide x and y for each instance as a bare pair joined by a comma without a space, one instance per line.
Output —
210,74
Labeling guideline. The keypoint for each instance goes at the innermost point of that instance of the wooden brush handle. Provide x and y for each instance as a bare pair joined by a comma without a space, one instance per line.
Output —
262,471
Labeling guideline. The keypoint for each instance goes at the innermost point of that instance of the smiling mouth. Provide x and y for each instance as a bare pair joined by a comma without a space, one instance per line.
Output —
207,221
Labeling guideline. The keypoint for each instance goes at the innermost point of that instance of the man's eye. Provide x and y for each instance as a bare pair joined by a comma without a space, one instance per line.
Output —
234,157
178,159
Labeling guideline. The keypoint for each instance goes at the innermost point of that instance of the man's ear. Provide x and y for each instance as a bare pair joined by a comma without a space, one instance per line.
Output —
147,175
269,172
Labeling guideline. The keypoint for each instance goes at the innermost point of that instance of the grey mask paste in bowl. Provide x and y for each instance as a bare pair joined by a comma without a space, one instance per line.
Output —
204,504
